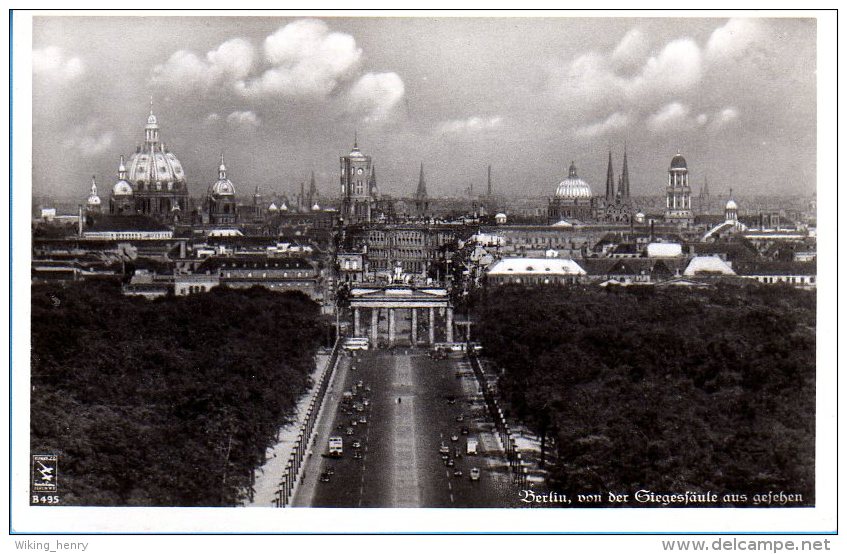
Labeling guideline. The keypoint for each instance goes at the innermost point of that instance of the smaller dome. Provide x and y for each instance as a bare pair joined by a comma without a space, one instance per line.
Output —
316,207
731,205
284,207
122,188
222,187
678,162
93,200
272,207
151,119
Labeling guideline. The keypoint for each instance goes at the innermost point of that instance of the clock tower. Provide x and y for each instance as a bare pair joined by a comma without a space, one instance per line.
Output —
357,187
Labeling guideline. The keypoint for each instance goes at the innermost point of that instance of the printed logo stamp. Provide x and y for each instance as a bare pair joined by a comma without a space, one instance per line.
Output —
45,472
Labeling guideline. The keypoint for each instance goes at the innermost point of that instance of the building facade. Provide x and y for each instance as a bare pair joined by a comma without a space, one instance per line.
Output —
358,187
678,192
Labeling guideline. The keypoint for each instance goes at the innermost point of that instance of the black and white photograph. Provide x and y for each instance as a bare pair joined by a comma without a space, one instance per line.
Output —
506,271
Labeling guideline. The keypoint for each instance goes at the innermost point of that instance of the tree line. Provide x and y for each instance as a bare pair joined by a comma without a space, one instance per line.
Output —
169,402
664,390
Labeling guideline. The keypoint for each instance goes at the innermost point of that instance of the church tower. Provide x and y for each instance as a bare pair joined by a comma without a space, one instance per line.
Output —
610,181
623,189
357,200
421,197
678,192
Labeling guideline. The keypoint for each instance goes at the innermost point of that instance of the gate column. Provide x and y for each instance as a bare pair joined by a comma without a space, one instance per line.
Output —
432,326
414,327
390,326
374,326
449,324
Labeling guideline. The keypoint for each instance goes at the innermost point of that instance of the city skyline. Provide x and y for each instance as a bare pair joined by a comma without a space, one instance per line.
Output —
282,97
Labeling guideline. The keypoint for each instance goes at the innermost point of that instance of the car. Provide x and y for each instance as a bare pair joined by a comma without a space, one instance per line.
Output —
451,401
457,453
360,408
444,449
454,438
450,462
329,471
445,457
360,384
465,430
357,444
325,477
460,417
457,472
357,455
474,474
366,402
367,388
349,431
354,422
363,420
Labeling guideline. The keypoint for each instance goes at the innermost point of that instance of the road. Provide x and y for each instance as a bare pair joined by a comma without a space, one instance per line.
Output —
413,406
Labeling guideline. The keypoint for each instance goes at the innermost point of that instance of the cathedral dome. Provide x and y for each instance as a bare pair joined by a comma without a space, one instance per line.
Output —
731,205
153,165
678,162
573,187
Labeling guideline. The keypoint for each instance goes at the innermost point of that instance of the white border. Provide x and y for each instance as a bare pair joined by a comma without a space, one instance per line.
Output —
76,520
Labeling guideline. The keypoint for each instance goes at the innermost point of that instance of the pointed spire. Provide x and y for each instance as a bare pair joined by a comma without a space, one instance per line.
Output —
355,139
372,190
222,168
421,192
610,180
625,176
151,104
313,187
93,186
572,170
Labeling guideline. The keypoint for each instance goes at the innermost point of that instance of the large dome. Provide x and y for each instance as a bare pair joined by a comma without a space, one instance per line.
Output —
573,186
148,167
153,167
678,162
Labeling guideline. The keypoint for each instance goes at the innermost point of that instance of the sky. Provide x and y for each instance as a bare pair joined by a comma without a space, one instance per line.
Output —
282,97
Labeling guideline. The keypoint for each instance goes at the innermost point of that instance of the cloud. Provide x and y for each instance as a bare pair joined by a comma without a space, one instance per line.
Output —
678,67
213,118
632,48
307,60
243,119
88,140
593,80
671,115
702,119
614,122
51,63
186,72
376,94
731,40
469,125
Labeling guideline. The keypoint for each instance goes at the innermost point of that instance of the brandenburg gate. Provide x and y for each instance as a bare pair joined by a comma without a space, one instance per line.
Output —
391,298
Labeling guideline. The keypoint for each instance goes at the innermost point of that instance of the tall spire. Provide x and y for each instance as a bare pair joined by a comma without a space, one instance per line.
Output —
93,186
421,192
372,190
355,139
151,104
490,191
705,190
313,188
610,180
625,176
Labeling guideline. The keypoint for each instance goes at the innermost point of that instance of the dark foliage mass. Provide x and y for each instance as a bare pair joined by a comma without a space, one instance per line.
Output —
170,402
663,390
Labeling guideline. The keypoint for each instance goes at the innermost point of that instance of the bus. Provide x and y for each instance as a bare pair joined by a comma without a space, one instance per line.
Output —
356,343
336,446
